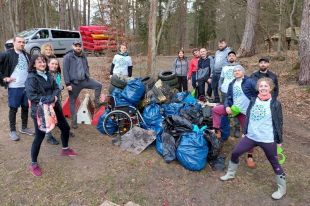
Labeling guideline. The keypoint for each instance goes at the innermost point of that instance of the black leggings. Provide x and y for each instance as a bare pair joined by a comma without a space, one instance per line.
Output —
182,83
39,135
12,117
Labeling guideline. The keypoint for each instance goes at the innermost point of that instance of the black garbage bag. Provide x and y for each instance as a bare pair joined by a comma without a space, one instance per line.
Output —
176,125
192,113
169,147
218,164
214,144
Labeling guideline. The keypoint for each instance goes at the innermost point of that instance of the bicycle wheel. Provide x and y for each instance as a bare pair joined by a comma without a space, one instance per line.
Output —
117,123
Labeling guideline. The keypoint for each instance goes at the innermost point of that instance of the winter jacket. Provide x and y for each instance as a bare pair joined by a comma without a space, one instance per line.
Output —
277,118
256,76
75,68
38,89
205,64
193,64
220,60
8,62
248,88
180,66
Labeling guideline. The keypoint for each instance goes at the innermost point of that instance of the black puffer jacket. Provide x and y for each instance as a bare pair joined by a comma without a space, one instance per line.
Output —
38,89
257,75
8,62
277,119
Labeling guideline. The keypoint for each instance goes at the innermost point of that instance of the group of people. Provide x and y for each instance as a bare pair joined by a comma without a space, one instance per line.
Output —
252,100
36,80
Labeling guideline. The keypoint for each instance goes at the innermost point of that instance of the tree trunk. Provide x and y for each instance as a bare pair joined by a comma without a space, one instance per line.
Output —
183,24
71,12
247,47
11,17
292,25
281,36
34,13
76,16
88,12
169,3
304,45
16,16
151,53
62,14
84,11
46,22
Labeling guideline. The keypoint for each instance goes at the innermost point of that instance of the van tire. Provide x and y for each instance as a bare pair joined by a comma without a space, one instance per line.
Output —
35,50
166,75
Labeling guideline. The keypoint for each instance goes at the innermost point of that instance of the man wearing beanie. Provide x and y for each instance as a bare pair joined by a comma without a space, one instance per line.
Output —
264,71
239,93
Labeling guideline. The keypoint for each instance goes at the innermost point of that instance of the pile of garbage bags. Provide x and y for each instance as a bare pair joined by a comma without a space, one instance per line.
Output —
181,123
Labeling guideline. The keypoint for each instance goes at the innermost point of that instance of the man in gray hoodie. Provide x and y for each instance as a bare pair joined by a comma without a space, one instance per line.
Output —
220,60
76,75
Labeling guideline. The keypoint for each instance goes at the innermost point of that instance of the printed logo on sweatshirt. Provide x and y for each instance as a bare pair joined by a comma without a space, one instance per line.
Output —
22,62
258,112
229,74
237,91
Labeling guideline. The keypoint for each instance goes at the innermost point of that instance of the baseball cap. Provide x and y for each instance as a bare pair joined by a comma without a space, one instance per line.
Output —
77,42
266,59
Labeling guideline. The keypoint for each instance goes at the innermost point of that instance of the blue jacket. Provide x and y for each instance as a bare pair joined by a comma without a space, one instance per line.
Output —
276,115
248,87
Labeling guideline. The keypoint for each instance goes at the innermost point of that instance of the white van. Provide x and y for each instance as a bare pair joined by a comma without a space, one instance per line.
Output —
61,40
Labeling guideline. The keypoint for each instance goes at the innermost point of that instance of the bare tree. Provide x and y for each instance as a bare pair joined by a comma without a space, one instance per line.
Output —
247,47
292,25
11,17
62,14
34,12
304,45
84,11
45,5
151,54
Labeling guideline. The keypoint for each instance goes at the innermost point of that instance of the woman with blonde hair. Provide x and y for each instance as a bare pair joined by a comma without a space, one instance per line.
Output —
47,51
263,128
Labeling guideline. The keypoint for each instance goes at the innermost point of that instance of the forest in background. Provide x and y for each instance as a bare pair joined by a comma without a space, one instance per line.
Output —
190,23
162,27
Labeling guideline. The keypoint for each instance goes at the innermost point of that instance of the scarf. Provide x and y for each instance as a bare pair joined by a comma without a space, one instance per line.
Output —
264,97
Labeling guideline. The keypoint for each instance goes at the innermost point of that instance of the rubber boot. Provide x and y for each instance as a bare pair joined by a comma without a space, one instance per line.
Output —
281,182
232,168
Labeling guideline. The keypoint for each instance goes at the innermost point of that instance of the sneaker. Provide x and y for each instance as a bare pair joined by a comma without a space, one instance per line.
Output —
26,131
68,152
250,163
35,170
14,136
50,139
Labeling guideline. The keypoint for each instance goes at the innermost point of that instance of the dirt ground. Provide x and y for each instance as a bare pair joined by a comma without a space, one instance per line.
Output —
102,171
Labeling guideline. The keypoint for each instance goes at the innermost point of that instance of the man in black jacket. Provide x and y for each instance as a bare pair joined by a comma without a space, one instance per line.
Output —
264,71
77,77
13,74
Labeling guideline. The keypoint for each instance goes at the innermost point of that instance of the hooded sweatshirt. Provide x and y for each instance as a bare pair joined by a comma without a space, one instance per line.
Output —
220,60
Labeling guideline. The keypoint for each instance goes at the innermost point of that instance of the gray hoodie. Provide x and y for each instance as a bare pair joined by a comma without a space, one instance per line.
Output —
180,67
75,68
220,60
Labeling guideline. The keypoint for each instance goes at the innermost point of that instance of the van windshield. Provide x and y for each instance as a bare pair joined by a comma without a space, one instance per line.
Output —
27,33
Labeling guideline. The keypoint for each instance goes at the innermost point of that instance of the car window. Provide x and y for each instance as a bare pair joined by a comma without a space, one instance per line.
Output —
64,34
42,34
27,33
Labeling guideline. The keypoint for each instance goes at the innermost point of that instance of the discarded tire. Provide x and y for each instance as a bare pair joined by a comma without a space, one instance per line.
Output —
166,75
148,82
111,88
118,82
171,82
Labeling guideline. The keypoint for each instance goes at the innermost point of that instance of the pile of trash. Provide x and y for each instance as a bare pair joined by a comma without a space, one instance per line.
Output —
180,122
